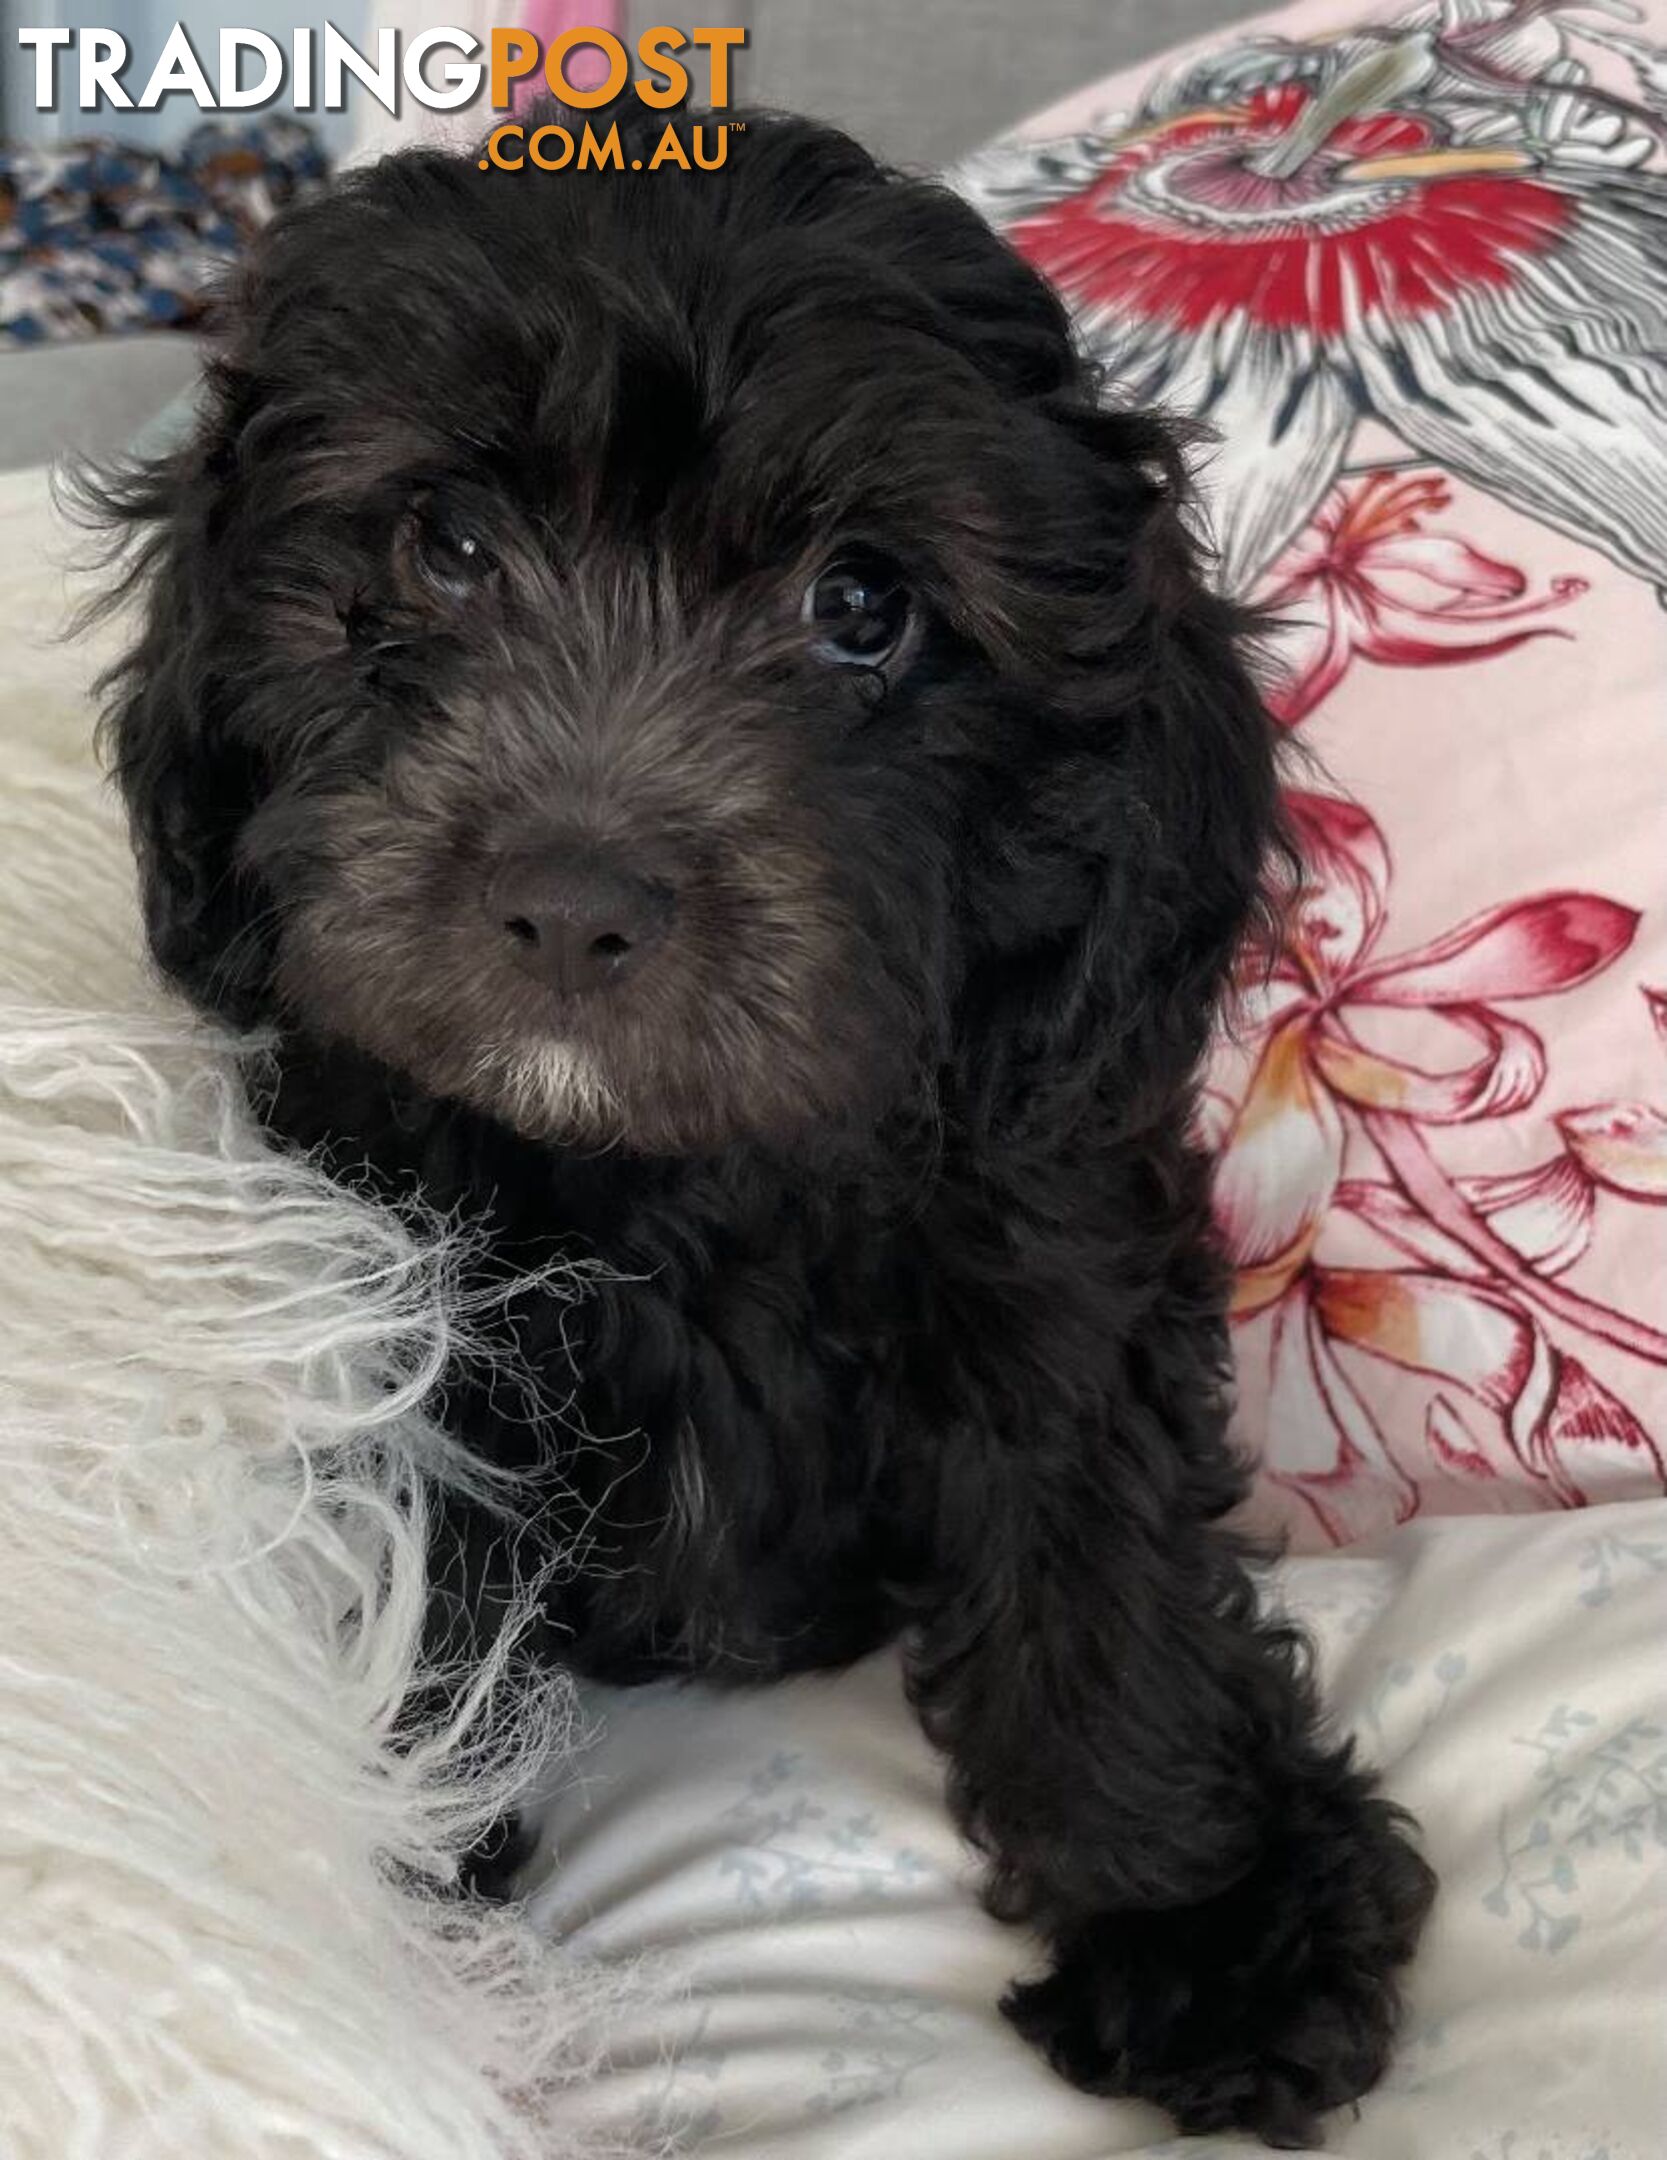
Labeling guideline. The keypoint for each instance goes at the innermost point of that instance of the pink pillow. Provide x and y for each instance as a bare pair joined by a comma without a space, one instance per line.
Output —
1413,266
551,19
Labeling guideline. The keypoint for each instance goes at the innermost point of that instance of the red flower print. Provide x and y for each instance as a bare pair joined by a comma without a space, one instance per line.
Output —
1281,1163
1408,223
1366,581
1403,256
1483,1256
1623,1145
1296,210
1545,1214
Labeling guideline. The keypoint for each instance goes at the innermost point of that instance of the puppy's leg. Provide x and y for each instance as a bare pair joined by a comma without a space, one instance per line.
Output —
1225,1899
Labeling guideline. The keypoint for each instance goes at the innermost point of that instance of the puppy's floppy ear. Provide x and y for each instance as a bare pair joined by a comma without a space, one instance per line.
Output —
1151,838
186,784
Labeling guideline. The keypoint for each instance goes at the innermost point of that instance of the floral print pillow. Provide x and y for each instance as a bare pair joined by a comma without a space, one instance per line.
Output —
1412,269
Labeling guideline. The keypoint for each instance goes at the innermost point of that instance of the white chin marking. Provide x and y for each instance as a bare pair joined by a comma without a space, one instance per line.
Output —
552,1089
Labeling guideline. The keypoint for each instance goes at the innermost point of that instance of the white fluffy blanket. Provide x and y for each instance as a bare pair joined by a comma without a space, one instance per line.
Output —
224,1931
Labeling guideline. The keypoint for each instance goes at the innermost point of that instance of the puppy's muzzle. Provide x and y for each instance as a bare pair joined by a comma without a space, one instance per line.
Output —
575,920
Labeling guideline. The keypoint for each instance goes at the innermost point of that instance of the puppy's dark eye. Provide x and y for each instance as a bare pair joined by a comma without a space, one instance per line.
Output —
859,608
451,557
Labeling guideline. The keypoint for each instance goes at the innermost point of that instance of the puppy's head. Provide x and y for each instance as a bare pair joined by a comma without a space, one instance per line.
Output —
671,658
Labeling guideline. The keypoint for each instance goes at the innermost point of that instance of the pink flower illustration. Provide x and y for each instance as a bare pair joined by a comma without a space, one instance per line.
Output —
1367,581
1446,228
1483,1256
1623,1145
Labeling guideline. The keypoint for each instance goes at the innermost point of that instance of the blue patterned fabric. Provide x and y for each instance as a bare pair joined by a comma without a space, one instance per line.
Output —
98,235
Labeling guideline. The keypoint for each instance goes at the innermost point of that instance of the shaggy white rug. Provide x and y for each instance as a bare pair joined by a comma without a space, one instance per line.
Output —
224,1932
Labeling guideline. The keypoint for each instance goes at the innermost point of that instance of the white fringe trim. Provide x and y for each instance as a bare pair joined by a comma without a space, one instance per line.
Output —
221,1933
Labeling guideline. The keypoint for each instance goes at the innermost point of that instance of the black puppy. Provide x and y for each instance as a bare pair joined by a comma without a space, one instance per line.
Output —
712,751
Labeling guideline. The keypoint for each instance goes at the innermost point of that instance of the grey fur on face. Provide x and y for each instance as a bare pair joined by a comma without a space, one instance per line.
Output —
663,747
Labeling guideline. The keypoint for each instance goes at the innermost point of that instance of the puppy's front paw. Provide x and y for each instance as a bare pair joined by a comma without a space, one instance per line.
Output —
1258,2010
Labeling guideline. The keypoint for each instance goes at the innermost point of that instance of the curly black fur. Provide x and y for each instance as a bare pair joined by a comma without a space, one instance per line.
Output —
494,534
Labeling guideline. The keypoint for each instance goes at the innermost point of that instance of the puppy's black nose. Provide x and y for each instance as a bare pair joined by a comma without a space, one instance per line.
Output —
575,922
